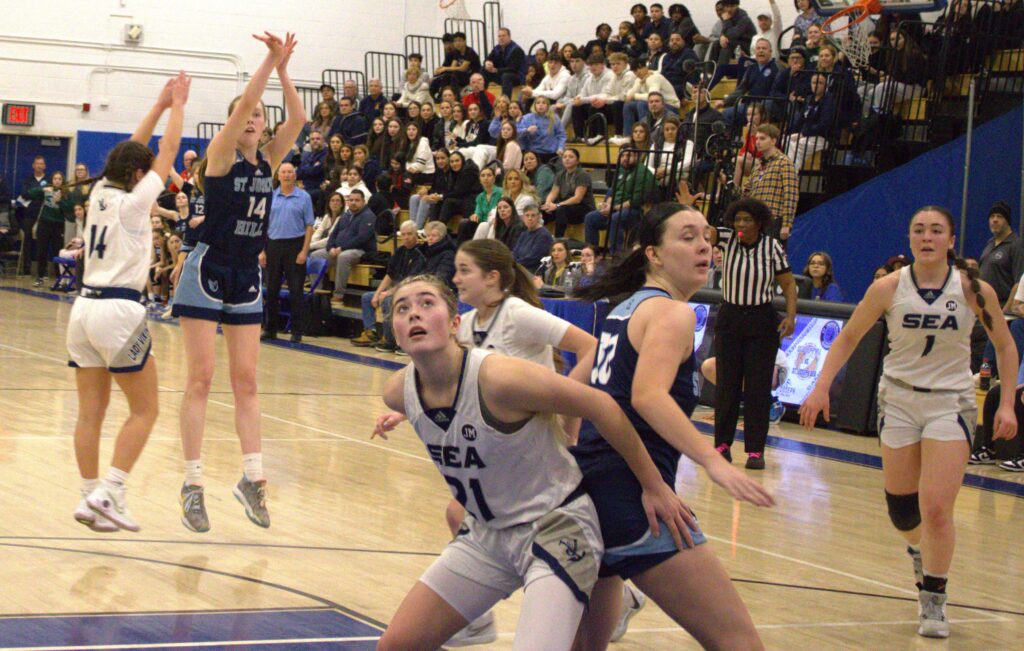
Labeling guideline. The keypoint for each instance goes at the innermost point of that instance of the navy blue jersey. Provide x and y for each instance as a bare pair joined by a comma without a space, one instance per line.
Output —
614,368
196,208
237,208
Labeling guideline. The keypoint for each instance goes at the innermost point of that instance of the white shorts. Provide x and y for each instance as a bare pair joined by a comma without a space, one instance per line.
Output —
906,416
566,542
108,333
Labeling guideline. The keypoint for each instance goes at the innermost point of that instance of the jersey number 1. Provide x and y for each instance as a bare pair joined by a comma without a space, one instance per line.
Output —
929,343
96,245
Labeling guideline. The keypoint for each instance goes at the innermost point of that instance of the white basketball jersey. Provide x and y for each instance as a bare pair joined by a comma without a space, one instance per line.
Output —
502,478
930,334
516,329
118,235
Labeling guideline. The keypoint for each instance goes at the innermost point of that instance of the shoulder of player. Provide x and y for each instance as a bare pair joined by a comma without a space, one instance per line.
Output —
670,313
394,391
502,373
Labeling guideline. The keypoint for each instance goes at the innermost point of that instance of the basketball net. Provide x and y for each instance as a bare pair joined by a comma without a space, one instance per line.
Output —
848,32
454,9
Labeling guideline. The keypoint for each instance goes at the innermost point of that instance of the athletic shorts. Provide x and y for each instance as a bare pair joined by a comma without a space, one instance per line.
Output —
566,543
630,547
906,415
108,333
213,289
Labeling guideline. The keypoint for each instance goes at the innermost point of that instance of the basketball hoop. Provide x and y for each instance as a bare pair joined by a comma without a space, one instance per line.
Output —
854,44
454,9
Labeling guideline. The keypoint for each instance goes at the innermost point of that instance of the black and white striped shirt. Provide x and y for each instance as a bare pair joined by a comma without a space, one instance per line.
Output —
748,272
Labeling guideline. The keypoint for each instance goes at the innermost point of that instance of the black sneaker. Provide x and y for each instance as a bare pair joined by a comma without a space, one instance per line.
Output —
267,336
755,461
984,456
724,450
296,338
386,347
1013,465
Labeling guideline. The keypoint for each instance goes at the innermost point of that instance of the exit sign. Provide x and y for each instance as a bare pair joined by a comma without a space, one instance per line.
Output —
19,115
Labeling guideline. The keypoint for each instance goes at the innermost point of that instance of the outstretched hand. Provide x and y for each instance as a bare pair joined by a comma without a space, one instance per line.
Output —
289,48
180,86
274,44
166,95
683,195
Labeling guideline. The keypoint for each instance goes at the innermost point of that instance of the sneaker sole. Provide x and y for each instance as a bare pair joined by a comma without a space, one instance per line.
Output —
114,516
484,638
979,462
98,528
188,526
1010,469
248,511
934,634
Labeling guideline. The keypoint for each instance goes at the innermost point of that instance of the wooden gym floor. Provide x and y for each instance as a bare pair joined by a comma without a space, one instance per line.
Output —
356,521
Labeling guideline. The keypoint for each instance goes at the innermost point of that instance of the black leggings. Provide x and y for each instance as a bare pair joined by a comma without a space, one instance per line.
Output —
746,343
565,215
49,239
988,415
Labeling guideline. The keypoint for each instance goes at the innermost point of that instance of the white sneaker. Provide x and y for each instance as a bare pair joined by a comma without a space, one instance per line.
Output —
481,630
95,522
619,140
594,140
932,614
111,503
633,601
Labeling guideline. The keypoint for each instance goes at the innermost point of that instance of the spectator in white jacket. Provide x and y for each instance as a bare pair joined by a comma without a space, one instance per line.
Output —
415,89
622,82
323,226
575,87
647,82
553,86
419,158
770,26
596,87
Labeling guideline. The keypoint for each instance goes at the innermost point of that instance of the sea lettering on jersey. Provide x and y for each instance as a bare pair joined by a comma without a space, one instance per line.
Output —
451,456
930,322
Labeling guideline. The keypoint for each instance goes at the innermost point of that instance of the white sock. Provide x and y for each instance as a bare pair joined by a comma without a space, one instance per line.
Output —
116,477
194,472
252,466
88,485
914,548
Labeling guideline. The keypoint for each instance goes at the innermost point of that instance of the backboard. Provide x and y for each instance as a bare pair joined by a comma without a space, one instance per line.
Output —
829,7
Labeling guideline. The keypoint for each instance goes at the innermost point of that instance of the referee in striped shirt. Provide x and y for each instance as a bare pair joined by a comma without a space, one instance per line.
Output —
748,329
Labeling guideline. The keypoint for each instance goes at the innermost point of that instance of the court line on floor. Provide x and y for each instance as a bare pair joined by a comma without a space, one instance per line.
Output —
241,577
763,627
150,613
193,645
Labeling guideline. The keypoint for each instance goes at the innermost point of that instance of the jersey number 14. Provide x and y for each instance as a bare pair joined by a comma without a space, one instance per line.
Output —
96,245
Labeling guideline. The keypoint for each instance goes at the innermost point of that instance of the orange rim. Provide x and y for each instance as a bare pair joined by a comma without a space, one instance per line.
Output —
862,9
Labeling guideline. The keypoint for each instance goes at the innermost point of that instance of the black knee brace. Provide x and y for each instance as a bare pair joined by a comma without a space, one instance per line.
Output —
904,511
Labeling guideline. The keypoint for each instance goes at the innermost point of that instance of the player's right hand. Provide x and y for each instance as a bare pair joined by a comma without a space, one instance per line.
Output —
662,503
739,485
815,403
387,423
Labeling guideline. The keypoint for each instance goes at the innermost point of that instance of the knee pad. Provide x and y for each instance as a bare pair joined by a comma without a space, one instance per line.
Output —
904,511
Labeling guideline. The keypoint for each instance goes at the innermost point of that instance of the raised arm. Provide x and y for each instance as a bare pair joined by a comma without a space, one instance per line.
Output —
144,131
220,153
171,140
282,143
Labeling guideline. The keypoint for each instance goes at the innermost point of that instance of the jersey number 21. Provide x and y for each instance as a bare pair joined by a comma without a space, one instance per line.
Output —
605,354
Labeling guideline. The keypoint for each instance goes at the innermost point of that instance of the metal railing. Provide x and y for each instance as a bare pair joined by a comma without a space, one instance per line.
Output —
641,177
430,47
205,131
274,115
310,100
338,77
475,30
388,67
494,20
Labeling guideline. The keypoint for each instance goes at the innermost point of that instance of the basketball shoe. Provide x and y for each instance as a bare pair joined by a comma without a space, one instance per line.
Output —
253,496
110,501
932,614
481,630
89,518
193,509
633,601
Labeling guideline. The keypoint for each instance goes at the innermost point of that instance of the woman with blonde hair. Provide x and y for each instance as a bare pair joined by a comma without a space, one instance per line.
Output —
541,131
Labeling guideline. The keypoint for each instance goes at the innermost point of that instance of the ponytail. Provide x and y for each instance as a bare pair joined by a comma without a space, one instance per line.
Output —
629,273
972,277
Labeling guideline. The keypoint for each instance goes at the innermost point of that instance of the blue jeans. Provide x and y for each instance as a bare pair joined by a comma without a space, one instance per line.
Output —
617,223
370,315
1017,332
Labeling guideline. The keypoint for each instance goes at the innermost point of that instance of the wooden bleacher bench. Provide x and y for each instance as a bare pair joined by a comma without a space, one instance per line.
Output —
1006,61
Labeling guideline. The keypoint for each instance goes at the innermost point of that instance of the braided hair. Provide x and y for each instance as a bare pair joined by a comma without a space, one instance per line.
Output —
961,264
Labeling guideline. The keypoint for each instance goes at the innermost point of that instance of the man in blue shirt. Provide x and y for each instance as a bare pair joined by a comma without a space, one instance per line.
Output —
289,230
505,63
312,171
755,86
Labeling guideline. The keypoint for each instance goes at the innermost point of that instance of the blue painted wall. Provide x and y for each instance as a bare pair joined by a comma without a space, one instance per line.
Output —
93,147
862,228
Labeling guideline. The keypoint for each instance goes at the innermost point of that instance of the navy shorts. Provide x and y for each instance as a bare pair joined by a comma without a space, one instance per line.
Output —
629,546
213,289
